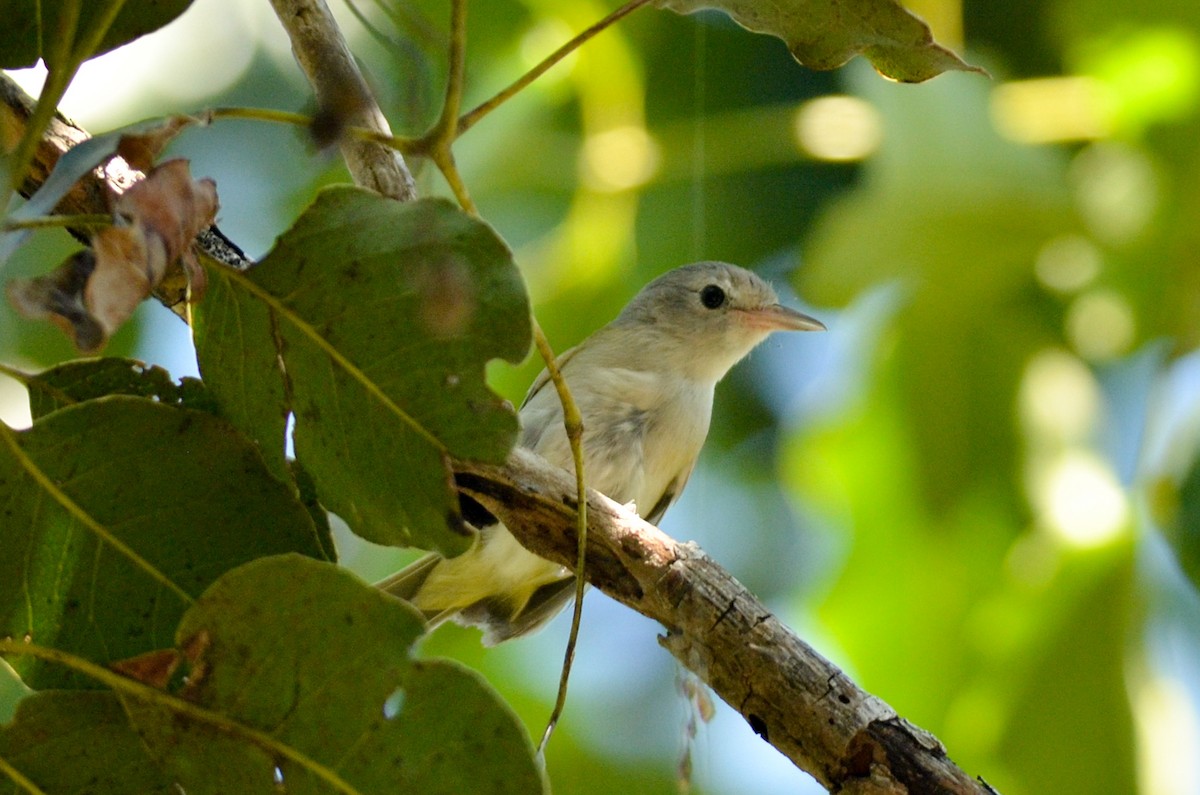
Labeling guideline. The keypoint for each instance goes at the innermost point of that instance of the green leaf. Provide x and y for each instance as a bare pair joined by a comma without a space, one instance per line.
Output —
117,513
235,349
825,34
32,29
78,742
383,315
316,663
87,379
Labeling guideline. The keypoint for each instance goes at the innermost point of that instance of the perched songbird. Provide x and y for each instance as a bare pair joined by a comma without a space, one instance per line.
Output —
644,385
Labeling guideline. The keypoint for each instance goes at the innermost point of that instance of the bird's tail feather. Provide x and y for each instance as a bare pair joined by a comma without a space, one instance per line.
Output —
406,582
498,617
500,622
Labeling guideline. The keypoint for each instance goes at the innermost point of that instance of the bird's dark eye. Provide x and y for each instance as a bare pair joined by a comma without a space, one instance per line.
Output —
712,296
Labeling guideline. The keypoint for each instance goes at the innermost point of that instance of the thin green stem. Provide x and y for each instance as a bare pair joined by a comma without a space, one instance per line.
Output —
402,144
210,718
19,778
573,422
59,72
446,124
444,159
96,34
410,19
468,120
439,140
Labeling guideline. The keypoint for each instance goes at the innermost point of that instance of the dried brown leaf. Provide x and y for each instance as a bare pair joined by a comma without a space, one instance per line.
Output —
94,292
154,668
140,150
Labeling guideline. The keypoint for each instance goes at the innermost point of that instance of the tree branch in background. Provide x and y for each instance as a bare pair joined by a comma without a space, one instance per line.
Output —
799,702
343,96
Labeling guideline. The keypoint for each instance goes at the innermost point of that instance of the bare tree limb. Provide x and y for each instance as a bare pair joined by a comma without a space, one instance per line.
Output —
799,702
323,54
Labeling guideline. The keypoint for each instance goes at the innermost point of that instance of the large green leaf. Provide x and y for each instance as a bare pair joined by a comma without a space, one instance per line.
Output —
32,30
824,34
118,512
371,322
78,742
310,656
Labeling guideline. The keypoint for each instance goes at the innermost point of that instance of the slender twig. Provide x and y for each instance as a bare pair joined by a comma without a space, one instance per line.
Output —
457,71
19,778
371,28
402,144
469,119
210,718
325,57
439,140
407,17
573,422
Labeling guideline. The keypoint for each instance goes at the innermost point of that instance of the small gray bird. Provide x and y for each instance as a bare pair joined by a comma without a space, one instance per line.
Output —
644,385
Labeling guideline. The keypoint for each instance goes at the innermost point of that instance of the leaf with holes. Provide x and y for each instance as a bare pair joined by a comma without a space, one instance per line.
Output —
371,322
117,514
308,685
88,379
825,34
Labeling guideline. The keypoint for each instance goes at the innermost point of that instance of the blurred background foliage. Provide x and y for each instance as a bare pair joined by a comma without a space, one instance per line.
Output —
979,493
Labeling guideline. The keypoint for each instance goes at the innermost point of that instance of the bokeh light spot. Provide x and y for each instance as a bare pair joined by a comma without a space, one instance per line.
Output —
1169,734
1100,324
544,38
1052,109
1081,502
619,159
1116,189
838,128
1059,397
1067,263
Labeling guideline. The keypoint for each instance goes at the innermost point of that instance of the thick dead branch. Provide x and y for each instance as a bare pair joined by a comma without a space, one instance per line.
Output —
343,95
793,698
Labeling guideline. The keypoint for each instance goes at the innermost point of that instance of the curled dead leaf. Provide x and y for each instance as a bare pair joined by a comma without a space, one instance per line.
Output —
58,296
93,292
141,149
154,668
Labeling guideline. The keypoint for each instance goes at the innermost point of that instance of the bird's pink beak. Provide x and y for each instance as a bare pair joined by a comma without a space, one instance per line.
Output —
777,317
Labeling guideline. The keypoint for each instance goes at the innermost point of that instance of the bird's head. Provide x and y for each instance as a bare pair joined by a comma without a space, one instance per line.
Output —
703,318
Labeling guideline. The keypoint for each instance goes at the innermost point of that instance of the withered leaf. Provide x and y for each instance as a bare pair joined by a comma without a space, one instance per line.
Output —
92,293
